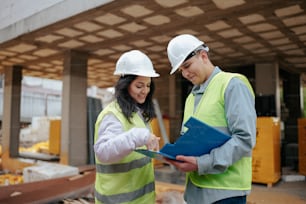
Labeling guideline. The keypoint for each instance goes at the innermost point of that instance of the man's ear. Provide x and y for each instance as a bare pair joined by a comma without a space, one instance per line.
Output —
204,55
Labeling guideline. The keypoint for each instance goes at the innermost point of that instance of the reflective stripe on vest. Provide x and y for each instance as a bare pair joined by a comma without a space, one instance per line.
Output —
124,167
126,197
131,180
211,110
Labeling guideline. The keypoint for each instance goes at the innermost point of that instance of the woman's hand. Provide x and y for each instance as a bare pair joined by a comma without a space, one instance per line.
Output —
153,143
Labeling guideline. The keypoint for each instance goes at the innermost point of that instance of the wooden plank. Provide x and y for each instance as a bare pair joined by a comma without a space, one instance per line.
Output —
163,187
48,190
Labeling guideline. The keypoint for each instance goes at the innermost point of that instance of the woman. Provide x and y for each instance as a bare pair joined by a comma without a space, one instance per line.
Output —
123,175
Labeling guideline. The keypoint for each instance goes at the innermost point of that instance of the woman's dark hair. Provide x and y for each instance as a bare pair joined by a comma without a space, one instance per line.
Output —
128,104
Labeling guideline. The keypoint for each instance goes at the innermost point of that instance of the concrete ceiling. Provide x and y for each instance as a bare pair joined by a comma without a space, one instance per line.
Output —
238,32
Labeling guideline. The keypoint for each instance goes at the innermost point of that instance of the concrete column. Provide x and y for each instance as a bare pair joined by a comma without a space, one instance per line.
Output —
267,82
176,99
172,97
292,99
11,114
174,106
74,144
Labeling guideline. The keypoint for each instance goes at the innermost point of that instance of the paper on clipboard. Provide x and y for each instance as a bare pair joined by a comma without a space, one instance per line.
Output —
155,154
199,139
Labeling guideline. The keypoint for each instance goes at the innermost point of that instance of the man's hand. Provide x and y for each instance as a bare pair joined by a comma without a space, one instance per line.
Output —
184,163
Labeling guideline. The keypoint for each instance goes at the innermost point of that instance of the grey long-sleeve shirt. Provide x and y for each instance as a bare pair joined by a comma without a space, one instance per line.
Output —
241,117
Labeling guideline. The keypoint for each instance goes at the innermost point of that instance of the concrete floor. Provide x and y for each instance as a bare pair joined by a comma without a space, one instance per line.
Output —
290,189
293,192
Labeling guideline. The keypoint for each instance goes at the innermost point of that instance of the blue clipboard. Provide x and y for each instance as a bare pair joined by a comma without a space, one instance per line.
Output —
199,139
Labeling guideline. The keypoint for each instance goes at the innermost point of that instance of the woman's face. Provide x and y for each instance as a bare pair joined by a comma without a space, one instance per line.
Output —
139,89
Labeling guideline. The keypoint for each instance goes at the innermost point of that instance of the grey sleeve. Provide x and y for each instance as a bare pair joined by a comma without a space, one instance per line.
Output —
241,118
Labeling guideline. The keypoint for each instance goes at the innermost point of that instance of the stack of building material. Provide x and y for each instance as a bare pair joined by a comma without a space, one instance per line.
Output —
45,171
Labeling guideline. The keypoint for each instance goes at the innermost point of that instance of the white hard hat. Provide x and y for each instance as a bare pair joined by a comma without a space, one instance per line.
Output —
180,47
135,62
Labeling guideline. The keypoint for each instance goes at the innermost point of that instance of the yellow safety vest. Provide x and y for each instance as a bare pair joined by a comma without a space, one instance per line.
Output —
131,180
211,111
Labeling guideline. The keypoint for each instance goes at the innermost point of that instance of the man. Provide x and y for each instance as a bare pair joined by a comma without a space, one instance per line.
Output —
225,101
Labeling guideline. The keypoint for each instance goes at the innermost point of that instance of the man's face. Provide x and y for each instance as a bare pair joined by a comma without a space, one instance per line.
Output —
193,69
